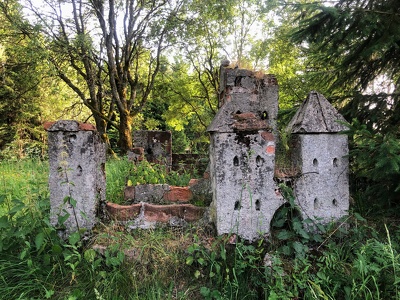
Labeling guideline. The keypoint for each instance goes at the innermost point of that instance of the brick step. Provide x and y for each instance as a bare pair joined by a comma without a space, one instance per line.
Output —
154,213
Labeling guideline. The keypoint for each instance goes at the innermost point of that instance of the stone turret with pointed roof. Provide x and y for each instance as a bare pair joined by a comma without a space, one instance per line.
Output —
316,115
319,152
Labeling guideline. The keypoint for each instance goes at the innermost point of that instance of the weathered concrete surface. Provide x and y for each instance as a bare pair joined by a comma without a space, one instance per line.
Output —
136,154
157,194
244,198
322,189
243,91
152,193
320,155
77,184
316,115
242,154
201,189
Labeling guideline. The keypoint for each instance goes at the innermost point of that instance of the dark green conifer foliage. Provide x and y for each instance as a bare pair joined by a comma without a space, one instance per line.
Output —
352,46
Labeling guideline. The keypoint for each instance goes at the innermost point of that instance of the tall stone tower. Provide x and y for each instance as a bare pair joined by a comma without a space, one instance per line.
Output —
242,154
320,155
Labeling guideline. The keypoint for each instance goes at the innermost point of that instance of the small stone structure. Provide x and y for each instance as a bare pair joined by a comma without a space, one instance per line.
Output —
77,178
242,154
243,138
157,145
319,153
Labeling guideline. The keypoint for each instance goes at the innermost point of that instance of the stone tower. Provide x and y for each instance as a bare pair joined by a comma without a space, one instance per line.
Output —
320,156
242,154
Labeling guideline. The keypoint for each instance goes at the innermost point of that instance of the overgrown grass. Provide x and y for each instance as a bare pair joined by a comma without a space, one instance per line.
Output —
350,260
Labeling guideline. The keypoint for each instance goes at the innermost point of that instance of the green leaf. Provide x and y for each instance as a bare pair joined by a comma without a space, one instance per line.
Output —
63,218
39,239
4,222
223,253
189,260
49,293
284,235
17,208
89,255
300,248
2,199
205,292
74,238
56,249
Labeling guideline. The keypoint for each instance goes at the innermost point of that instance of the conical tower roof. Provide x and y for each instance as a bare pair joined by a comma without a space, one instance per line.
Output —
316,115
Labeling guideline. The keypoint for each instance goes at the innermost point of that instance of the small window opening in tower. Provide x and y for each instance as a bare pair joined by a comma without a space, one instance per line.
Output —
237,205
335,162
315,162
236,161
258,205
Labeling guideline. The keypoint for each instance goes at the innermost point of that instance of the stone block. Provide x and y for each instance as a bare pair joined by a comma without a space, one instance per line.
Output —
163,213
136,154
151,193
129,193
157,145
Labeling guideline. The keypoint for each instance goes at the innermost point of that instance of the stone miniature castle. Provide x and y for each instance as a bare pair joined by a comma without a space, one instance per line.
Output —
243,172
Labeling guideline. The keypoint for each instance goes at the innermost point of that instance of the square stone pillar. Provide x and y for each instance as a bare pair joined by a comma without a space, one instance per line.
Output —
77,179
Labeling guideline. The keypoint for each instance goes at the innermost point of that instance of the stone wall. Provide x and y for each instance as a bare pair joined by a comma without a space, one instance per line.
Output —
157,145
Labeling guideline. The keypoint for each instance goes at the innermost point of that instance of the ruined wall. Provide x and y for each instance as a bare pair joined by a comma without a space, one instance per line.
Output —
77,184
157,145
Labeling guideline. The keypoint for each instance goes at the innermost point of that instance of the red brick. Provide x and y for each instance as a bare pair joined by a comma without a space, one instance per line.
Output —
178,194
163,213
252,124
86,127
123,212
270,149
47,125
267,136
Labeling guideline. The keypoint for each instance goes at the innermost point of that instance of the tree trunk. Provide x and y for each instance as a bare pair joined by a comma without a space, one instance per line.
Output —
125,132
101,126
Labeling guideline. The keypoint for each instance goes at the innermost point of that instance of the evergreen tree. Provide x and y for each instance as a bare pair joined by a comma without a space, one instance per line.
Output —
354,49
20,126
